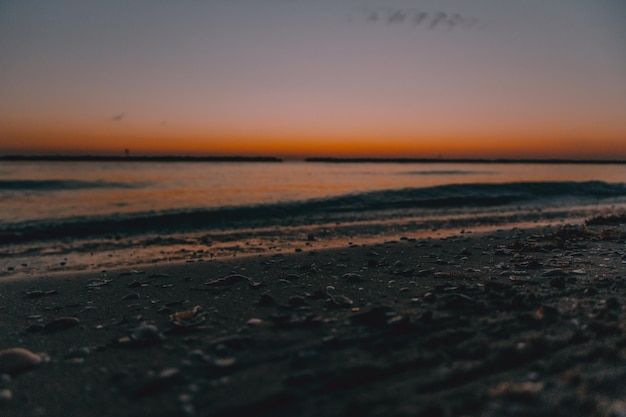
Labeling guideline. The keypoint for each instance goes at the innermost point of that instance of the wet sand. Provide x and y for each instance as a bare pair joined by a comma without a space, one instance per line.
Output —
508,323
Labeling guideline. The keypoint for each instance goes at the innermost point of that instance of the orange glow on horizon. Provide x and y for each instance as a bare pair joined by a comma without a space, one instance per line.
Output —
489,145
113,138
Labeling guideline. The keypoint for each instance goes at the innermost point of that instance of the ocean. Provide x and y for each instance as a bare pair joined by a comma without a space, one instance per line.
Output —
82,215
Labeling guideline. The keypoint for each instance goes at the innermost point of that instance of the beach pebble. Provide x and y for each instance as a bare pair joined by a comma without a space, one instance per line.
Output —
153,384
266,300
523,390
617,409
164,310
295,321
556,272
376,316
197,355
353,277
88,309
14,361
557,282
187,319
233,279
292,277
176,303
131,296
99,283
613,303
78,353
6,395
546,313
224,363
458,302
143,335
132,272
297,301
40,293
61,323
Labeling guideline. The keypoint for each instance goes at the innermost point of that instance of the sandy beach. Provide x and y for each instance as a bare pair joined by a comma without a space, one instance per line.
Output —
508,323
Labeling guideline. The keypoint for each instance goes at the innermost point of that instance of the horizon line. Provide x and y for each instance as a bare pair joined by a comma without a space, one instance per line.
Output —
238,158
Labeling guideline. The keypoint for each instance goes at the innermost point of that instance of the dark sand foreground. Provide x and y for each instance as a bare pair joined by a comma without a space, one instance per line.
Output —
511,323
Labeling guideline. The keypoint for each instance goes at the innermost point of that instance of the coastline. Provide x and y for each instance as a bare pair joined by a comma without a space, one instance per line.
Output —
334,160
504,323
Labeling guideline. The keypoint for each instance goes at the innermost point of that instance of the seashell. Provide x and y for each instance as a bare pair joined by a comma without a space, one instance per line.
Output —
14,361
353,277
187,319
255,321
292,277
337,301
224,363
99,283
40,293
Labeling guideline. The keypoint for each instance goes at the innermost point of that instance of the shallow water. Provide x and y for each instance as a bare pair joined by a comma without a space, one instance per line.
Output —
56,190
79,214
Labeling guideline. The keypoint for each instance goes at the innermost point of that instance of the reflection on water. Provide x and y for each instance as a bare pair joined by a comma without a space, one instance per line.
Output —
144,187
60,216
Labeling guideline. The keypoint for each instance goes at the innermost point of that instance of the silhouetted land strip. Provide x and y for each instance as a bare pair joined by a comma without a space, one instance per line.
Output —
466,161
105,158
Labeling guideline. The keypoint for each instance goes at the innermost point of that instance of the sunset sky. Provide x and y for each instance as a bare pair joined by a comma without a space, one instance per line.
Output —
413,78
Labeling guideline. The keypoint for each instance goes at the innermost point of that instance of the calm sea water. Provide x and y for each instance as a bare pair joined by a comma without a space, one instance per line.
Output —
57,190
51,207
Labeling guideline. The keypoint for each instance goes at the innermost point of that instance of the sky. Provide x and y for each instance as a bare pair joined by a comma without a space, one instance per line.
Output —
294,78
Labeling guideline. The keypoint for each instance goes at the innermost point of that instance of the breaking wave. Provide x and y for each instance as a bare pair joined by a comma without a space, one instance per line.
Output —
350,207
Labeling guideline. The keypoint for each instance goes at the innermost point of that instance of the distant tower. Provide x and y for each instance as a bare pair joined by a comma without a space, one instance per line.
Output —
126,152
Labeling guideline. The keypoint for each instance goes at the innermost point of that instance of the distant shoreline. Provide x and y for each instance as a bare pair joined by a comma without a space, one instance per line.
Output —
170,158
104,158
465,161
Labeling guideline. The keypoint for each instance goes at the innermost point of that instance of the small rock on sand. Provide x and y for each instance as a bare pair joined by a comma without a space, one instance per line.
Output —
14,361
6,395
